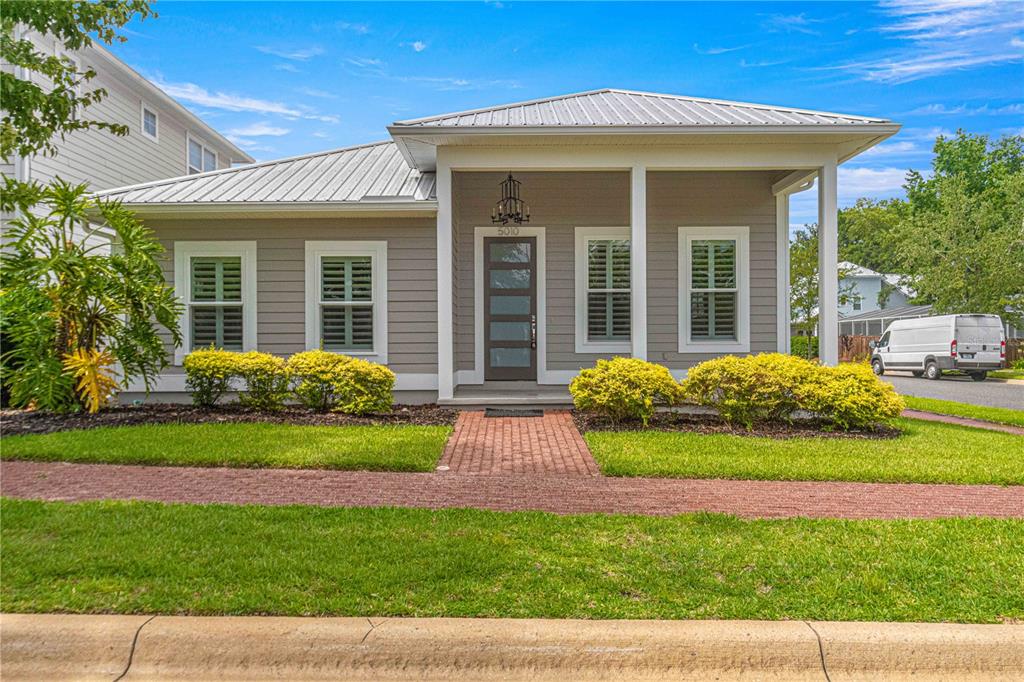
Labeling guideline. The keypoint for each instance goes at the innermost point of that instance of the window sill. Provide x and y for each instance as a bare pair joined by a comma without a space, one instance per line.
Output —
604,347
725,347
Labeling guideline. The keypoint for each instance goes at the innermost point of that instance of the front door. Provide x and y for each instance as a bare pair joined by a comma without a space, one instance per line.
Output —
510,308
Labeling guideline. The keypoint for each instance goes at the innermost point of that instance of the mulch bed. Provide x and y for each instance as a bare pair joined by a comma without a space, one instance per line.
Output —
709,424
17,422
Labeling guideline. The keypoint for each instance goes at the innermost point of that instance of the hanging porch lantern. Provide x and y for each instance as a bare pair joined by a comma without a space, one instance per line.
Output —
510,208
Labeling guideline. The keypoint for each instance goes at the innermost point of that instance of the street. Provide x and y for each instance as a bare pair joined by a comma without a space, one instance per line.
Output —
961,389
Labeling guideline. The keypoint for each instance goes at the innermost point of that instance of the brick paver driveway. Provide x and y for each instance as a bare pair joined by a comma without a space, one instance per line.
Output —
559,494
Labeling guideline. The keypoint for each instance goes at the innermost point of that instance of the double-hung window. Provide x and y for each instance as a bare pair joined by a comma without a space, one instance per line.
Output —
714,295
603,290
346,297
216,282
200,157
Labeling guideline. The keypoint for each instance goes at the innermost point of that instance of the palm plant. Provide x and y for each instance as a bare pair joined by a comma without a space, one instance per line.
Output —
80,309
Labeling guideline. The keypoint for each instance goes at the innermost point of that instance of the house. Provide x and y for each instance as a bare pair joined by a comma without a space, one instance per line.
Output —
873,323
165,139
658,228
864,290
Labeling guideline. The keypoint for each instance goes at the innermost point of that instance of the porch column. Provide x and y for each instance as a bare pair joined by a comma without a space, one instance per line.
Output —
782,305
445,329
638,250
828,266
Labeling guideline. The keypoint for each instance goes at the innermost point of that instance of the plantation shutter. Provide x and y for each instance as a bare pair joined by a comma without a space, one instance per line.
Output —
346,303
216,305
608,290
713,289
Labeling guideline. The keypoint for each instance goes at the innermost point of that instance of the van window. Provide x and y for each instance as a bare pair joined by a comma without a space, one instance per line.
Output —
884,341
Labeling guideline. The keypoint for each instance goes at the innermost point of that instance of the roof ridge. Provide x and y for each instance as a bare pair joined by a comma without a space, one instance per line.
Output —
235,169
750,105
467,112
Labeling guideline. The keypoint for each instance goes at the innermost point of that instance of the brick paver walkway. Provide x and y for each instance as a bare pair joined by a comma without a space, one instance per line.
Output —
559,494
518,445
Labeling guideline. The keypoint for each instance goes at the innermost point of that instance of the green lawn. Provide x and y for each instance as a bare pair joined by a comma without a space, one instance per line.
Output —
377,448
125,557
1002,415
1007,374
925,453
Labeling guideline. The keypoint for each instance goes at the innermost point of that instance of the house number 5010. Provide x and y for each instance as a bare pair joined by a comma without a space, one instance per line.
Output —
508,231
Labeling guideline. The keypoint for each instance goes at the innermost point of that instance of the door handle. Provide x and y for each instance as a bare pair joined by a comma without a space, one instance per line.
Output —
533,331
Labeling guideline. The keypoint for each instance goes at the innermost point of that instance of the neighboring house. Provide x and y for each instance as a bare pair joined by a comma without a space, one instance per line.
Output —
165,139
862,287
658,229
873,323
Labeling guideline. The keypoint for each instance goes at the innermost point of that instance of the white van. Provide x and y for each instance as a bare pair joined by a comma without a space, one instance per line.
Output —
928,346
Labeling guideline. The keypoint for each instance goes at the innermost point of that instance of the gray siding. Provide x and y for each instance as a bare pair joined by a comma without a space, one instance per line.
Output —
707,199
280,276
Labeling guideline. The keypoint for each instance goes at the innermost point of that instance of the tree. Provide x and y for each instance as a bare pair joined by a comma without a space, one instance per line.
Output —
32,113
72,309
868,233
962,241
803,281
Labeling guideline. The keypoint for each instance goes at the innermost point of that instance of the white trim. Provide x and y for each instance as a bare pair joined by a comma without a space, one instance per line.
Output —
582,236
207,147
143,108
175,383
184,251
782,321
740,233
378,253
477,375
828,266
638,261
445,284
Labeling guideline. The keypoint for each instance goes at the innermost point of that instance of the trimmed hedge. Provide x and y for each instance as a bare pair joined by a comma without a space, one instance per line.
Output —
624,388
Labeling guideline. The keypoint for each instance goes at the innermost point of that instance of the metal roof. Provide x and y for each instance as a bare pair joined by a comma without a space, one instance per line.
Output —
370,173
890,313
628,108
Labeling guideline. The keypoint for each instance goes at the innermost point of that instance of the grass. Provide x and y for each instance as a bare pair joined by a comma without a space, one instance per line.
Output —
925,453
1007,374
1003,415
376,448
133,557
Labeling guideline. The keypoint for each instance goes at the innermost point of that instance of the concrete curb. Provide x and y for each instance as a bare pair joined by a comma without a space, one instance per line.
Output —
56,647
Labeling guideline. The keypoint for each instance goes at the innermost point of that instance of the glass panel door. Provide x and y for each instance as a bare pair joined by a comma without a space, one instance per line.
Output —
510,308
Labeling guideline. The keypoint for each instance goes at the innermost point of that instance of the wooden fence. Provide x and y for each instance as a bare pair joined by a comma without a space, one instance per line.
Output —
855,347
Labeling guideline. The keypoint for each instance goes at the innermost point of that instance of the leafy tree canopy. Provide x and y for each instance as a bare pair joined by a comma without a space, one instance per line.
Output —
46,95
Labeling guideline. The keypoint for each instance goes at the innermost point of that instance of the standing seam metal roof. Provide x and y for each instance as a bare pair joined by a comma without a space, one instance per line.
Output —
631,108
371,172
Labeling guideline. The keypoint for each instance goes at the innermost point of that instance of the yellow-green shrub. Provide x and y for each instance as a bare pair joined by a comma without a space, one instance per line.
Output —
266,378
624,388
748,389
327,381
208,374
850,396
771,386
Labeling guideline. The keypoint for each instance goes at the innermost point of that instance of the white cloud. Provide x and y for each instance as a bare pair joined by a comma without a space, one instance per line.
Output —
900,148
789,23
259,130
314,92
364,62
717,50
940,36
285,66
416,45
321,135
250,145
744,64
196,94
852,184
302,55
323,118
361,29
940,109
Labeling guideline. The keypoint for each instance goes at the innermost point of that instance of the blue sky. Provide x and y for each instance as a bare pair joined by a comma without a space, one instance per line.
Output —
285,78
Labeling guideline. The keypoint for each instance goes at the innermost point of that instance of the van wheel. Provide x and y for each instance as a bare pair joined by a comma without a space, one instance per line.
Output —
877,368
932,371
979,376
918,373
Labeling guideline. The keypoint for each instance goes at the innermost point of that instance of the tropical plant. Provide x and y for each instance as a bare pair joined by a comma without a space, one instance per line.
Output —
71,303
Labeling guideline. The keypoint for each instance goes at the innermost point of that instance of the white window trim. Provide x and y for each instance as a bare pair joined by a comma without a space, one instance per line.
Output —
742,236
583,235
184,252
143,106
189,138
378,252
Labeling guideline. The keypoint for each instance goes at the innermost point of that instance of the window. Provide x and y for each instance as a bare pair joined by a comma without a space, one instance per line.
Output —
857,300
216,282
603,290
200,157
149,122
346,297
714,308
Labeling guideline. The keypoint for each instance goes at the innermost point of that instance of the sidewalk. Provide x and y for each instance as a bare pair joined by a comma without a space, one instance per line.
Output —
552,493
163,647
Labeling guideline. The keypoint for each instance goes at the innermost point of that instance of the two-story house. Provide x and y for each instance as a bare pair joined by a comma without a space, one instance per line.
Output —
866,290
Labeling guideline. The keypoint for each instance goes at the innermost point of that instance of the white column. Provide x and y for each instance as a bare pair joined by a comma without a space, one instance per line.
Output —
638,250
445,305
828,266
782,271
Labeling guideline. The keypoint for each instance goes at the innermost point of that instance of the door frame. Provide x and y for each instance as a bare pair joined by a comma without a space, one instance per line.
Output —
508,373
477,375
